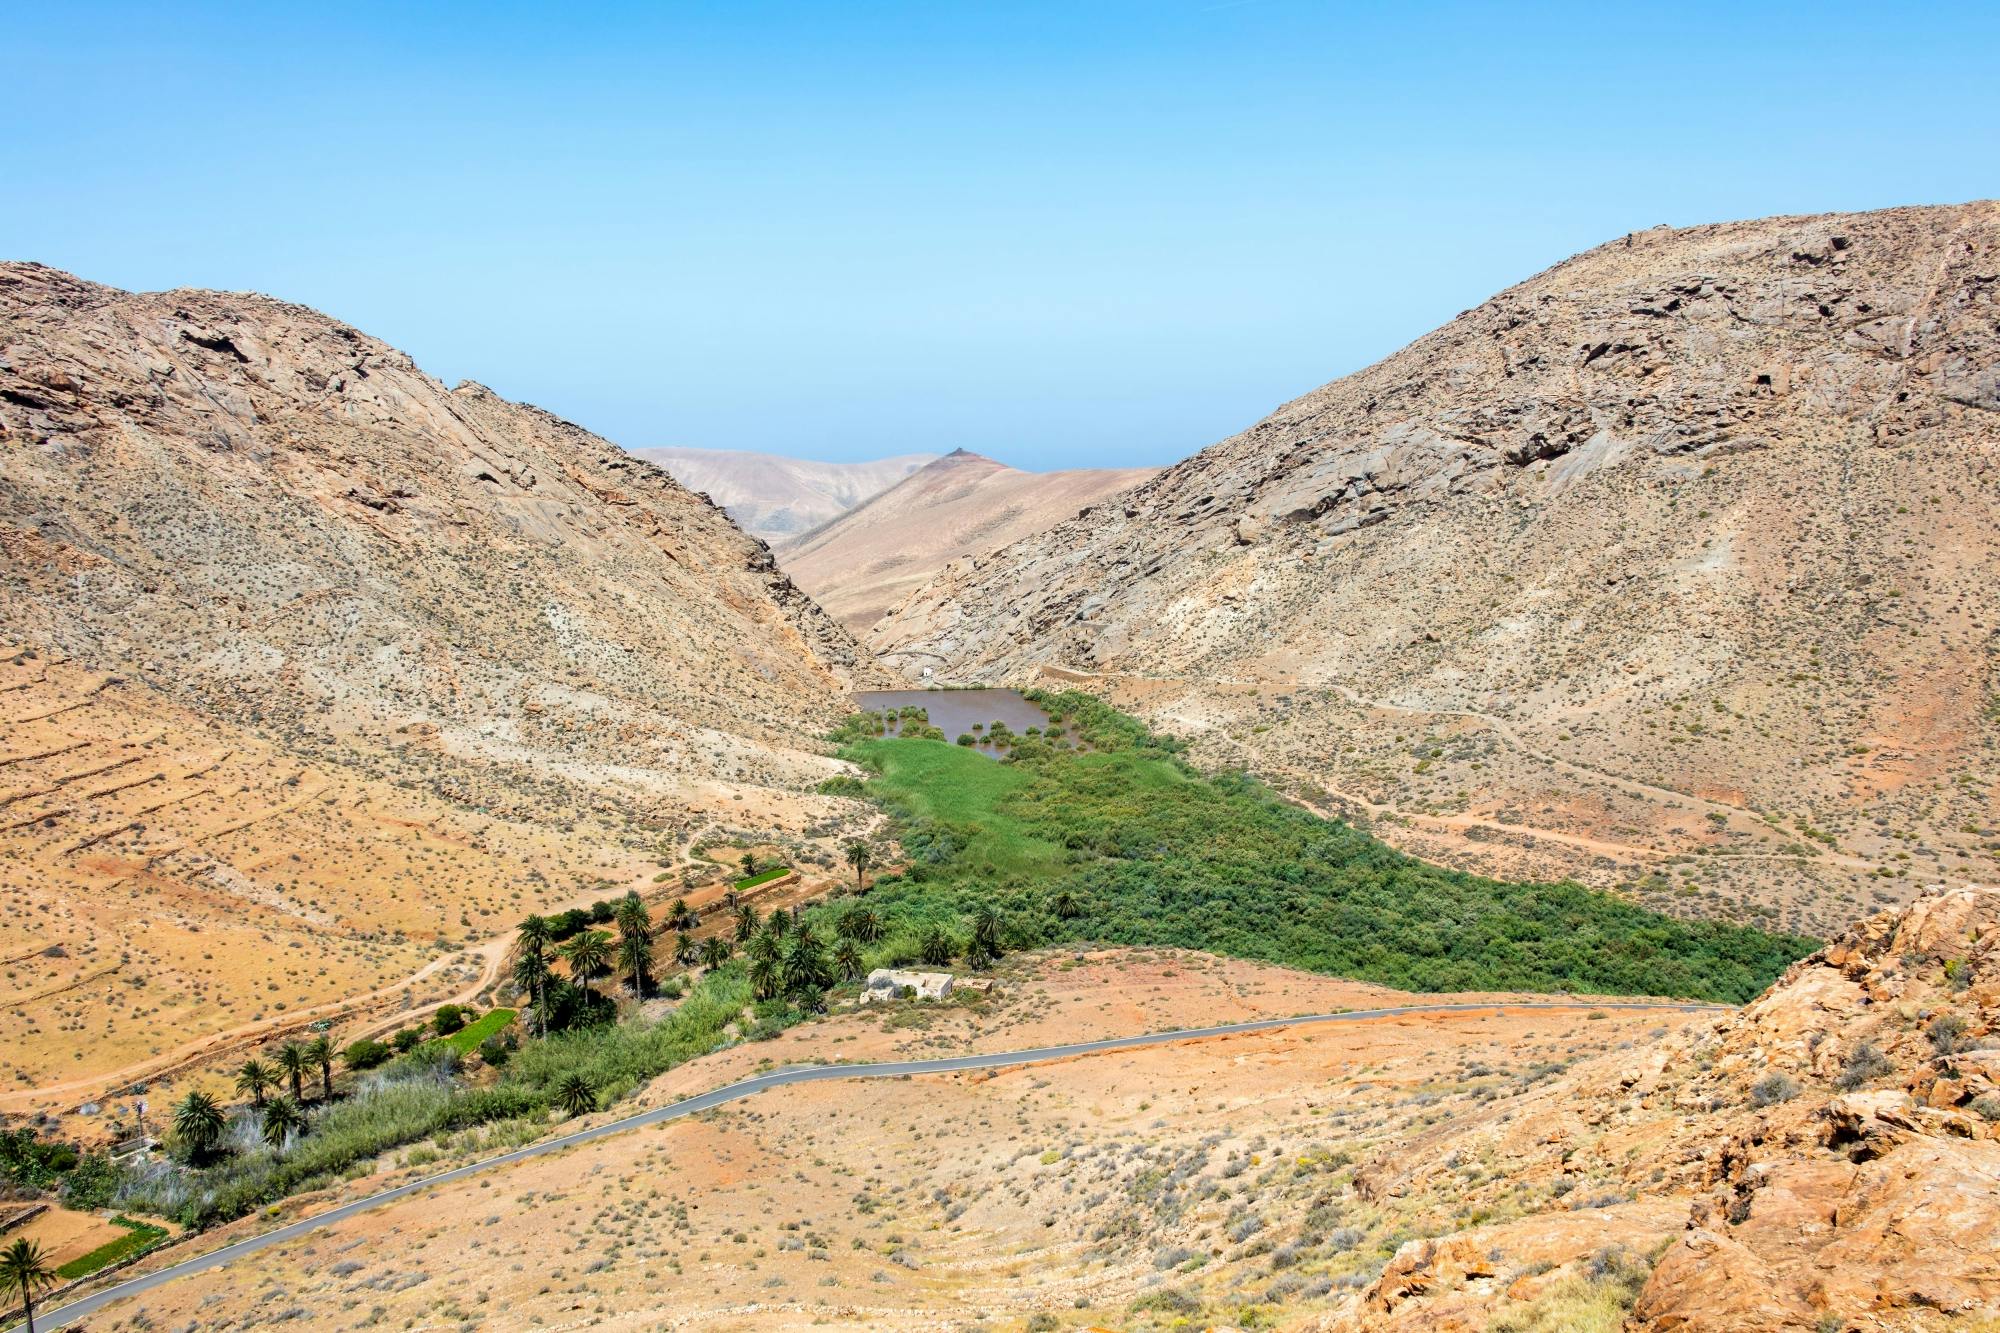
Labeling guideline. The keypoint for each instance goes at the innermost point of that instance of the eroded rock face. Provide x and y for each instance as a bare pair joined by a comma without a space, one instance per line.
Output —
1744,469
1771,1187
1711,1282
256,508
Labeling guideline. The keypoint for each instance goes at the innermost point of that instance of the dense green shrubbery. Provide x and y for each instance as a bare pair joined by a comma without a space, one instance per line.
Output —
92,1184
618,1057
32,1162
416,1097
1158,854
366,1054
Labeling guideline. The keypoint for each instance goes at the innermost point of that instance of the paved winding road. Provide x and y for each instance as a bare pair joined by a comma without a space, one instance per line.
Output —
750,1087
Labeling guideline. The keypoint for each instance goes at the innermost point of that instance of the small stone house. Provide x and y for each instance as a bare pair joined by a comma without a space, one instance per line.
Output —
889,983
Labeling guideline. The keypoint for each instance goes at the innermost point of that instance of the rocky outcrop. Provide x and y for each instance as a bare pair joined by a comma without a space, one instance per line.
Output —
1827,1157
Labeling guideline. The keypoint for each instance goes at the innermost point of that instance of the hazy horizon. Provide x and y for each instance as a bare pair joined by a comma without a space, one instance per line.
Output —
1062,236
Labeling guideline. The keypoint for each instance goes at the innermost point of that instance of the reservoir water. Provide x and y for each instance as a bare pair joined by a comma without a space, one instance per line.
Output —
957,712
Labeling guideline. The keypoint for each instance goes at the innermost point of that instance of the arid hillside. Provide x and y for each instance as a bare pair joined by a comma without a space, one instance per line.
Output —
775,497
863,563
1826,1158
1669,568
314,664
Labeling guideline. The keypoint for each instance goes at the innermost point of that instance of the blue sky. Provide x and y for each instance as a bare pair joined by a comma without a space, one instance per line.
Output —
1061,234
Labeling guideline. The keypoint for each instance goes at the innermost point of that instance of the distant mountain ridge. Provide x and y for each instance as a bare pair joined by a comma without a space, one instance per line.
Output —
775,497
863,563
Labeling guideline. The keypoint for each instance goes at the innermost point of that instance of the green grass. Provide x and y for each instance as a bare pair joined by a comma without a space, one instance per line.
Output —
1156,853
761,877
138,1236
467,1038
944,787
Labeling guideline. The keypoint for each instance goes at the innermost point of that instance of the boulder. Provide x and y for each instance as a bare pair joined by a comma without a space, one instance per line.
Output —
1708,1283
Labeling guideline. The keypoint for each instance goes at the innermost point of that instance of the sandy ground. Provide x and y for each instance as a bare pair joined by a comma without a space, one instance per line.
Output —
931,1202
175,894
65,1234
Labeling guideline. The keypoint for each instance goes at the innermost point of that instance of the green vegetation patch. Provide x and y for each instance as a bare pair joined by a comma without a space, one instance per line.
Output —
467,1039
138,1237
420,1100
1121,841
761,877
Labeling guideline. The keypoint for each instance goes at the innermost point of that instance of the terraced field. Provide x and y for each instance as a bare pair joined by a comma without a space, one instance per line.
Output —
168,884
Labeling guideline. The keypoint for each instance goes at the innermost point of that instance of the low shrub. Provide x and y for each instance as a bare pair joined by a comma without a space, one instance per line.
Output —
1947,1033
1864,1064
366,1054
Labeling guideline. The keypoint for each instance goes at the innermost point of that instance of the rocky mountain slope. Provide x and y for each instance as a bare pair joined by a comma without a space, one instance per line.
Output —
1669,568
863,563
299,642
775,497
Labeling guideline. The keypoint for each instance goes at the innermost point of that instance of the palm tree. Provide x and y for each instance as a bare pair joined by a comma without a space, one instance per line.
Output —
765,977
681,917
25,1269
575,1095
632,916
780,921
861,923
255,1080
746,923
282,1118
533,938
686,953
936,947
847,959
531,974
985,945
587,954
714,952
749,865
804,973
292,1058
1064,904
764,947
320,1051
199,1122
635,956
860,858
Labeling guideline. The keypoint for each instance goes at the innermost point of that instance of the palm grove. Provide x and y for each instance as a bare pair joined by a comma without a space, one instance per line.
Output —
747,972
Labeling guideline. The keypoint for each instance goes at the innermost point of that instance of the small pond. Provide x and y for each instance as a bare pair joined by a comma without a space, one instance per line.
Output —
957,712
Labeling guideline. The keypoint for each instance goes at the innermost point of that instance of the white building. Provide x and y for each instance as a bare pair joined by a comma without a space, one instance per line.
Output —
889,983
